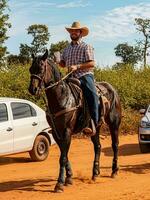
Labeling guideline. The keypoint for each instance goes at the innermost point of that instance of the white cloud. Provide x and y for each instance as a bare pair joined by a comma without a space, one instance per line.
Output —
112,26
116,23
23,13
46,4
119,22
73,4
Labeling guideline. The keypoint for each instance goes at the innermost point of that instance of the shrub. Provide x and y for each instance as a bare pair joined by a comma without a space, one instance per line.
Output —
131,85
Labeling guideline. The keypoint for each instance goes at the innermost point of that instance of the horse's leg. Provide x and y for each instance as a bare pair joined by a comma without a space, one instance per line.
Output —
69,174
97,151
114,130
63,161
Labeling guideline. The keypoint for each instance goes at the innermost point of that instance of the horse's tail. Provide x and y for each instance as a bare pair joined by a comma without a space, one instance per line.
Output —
115,104
115,100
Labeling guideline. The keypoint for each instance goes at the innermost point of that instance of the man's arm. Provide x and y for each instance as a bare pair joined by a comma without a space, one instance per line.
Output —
86,65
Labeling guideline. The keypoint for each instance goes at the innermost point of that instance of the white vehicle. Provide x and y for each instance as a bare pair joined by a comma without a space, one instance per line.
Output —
144,131
23,127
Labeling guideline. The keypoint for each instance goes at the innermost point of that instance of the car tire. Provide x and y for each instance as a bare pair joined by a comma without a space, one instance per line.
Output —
144,148
40,149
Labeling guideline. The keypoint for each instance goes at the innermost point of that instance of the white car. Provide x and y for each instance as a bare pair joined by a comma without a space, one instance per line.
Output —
144,131
23,127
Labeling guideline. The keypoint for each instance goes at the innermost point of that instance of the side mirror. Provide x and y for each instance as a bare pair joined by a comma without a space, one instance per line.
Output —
57,56
142,111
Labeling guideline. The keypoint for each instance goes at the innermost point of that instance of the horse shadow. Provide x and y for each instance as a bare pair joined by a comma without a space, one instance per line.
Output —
137,169
11,160
28,185
124,150
128,150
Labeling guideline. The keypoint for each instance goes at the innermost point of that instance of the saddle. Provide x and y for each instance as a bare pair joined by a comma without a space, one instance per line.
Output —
102,93
83,114
74,81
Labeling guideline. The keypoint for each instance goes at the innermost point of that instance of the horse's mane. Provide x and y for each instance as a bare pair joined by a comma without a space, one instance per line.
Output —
55,70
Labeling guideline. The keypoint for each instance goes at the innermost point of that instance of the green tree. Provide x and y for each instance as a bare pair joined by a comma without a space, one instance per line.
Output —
4,26
12,60
40,37
143,26
25,53
128,53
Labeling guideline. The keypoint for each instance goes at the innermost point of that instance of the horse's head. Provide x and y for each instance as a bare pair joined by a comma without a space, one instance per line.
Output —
38,71
43,73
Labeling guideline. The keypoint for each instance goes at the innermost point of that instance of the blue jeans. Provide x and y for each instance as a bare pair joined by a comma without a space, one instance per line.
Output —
89,92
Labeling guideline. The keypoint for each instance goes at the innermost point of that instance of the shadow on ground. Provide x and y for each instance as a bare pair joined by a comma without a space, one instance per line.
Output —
124,150
11,160
28,185
137,169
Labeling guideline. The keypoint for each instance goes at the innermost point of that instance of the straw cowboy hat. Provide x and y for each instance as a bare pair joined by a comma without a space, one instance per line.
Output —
76,25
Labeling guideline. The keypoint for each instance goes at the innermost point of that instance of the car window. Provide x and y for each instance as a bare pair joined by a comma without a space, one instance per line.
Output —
3,113
22,110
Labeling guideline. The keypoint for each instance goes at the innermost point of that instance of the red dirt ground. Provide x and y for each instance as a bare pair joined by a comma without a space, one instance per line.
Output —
22,179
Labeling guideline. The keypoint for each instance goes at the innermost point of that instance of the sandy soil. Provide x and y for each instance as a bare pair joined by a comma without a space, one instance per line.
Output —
22,179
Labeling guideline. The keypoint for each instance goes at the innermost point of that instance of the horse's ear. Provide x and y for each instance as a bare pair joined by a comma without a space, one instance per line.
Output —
33,56
44,57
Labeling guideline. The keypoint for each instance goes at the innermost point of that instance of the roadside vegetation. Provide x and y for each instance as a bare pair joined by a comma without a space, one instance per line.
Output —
131,82
132,86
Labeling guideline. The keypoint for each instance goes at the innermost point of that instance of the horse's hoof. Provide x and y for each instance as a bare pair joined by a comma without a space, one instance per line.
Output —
94,178
58,188
114,174
68,181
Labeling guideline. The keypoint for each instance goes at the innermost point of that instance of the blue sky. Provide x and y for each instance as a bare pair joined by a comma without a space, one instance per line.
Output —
110,22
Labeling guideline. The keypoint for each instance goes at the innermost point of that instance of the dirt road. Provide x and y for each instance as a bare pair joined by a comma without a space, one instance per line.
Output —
22,179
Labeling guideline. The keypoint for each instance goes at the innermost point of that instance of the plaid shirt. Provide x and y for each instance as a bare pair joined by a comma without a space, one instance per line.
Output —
78,53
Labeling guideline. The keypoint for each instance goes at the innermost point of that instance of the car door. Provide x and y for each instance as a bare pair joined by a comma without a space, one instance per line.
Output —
6,131
25,125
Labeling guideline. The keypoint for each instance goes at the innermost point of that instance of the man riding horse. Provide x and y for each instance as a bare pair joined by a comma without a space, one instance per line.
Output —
65,109
79,58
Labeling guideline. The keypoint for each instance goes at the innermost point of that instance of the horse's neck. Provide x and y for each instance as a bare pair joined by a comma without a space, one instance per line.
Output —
54,70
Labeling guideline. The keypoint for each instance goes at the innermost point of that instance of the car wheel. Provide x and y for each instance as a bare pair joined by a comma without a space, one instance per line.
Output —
40,149
145,148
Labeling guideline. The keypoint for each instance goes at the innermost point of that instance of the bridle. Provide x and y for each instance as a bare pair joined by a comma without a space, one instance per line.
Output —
43,78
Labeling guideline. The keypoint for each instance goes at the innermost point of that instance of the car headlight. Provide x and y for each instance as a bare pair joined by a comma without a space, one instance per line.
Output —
145,124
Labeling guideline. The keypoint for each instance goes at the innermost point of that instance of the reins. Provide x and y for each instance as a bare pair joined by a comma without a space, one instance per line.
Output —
54,84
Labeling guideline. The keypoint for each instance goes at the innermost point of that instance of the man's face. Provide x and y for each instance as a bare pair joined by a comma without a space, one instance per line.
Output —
75,35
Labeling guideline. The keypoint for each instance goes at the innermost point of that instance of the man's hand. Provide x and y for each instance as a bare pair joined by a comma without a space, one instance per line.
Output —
73,67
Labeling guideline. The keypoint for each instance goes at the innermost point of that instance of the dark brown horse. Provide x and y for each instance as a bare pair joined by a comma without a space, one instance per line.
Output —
64,111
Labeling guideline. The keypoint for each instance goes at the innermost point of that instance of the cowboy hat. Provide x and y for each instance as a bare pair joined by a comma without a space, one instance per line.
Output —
77,26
